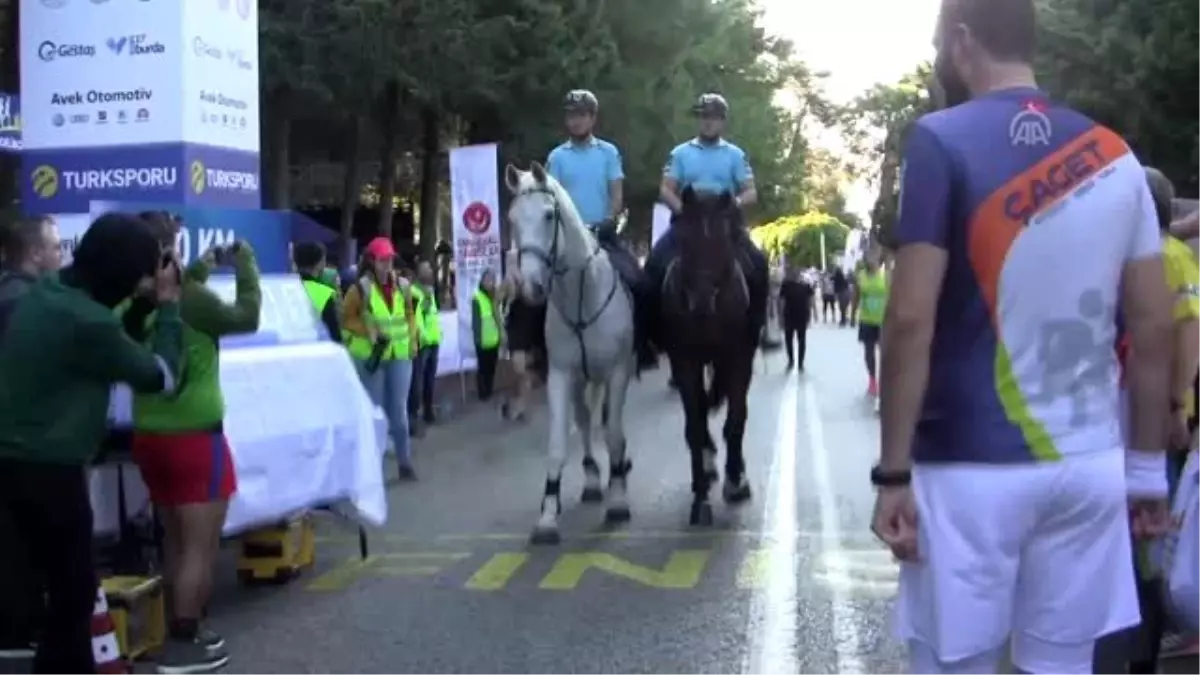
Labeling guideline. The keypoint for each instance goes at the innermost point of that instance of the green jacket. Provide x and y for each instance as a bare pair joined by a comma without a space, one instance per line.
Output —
198,405
60,356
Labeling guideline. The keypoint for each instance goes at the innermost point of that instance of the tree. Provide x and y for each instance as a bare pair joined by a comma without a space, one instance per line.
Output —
876,125
798,238
1130,64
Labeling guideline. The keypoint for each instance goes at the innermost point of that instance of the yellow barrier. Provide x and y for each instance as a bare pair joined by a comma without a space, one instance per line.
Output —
277,554
138,612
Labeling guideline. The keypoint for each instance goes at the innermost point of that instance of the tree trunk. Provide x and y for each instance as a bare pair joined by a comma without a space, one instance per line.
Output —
431,178
350,190
387,160
279,156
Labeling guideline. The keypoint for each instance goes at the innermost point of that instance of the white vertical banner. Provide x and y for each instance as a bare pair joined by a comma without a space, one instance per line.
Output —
660,223
475,203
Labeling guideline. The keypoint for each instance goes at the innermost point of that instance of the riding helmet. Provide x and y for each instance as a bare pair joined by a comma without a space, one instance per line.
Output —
581,100
711,104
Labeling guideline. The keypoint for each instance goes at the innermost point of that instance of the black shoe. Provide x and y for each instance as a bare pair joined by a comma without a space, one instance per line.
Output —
183,657
791,365
406,472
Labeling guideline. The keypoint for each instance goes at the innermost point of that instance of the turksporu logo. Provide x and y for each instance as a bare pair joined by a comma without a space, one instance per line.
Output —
47,180
203,178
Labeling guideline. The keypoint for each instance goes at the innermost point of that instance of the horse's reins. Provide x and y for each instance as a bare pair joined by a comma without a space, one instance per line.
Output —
550,259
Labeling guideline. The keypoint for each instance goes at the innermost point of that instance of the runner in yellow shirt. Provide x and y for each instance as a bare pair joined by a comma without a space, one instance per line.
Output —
870,301
1183,280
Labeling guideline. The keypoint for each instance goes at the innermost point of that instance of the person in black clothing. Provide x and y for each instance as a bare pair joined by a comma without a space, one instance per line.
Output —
485,357
525,327
841,290
309,258
796,294
30,248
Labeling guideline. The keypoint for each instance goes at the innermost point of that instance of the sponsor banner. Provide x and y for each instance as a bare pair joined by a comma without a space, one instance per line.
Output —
101,73
220,177
203,228
220,74
67,181
475,208
10,122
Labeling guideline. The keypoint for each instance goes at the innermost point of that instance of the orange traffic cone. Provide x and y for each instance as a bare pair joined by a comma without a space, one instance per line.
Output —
105,649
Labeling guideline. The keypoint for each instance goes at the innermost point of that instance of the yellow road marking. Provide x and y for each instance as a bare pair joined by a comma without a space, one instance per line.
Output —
682,570
386,564
497,572
752,573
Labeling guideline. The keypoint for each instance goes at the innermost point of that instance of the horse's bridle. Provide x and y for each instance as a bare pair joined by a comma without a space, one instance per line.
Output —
550,258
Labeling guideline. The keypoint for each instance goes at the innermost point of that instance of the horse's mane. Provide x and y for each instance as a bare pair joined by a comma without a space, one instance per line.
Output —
566,206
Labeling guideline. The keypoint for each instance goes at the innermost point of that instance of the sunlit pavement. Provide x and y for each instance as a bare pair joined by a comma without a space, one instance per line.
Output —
791,582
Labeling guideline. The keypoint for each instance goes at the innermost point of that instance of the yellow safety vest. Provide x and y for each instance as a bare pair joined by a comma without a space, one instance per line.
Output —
427,317
393,324
318,293
489,330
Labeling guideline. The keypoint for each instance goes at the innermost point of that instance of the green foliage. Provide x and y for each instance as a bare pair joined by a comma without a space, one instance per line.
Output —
1131,65
875,126
496,70
798,238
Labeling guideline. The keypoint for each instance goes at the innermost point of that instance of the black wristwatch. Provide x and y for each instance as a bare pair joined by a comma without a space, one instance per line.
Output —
890,477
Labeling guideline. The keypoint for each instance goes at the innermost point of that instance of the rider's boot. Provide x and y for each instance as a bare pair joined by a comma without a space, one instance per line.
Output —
643,325
758,282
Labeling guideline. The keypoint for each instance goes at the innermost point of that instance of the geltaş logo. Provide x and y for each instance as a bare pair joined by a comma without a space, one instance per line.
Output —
48,51
45,181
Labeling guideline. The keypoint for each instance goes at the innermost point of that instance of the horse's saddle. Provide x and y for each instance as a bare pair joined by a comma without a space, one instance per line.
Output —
624,263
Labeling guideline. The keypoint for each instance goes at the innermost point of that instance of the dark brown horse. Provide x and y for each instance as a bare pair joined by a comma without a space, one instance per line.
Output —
706,317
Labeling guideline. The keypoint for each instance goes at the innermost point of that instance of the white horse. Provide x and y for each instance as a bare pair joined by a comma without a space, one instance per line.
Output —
589,337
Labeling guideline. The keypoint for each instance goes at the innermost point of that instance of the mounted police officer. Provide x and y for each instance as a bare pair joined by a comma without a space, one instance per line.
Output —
710,164
589,168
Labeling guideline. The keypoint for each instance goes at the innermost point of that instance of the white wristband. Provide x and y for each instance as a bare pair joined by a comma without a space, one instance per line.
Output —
1146,473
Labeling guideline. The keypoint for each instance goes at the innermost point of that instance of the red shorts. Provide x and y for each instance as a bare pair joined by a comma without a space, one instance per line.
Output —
185,468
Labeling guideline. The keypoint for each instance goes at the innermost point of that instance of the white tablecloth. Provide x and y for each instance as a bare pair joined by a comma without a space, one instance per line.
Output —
303,433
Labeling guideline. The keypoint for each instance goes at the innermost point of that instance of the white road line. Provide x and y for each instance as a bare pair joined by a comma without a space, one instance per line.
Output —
844,628
773,623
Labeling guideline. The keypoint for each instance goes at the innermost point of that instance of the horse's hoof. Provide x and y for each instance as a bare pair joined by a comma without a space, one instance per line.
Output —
544,537
736,493
592,495
702,514
617,514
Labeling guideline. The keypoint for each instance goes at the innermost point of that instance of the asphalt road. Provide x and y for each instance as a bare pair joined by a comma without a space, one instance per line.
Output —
790,582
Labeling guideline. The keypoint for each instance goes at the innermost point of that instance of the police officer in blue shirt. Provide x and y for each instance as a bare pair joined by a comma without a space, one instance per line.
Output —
589,168
709,163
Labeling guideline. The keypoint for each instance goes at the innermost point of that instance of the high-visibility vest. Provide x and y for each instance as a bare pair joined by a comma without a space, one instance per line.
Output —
319,293
391,323
427,317
489,330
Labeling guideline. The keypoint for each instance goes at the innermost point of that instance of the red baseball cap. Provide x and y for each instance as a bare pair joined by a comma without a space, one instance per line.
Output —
380,248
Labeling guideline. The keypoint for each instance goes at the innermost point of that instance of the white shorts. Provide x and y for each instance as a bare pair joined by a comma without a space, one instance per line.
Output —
1034,551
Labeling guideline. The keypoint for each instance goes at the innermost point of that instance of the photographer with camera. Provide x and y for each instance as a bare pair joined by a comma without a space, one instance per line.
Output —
62,352
379,320
179,442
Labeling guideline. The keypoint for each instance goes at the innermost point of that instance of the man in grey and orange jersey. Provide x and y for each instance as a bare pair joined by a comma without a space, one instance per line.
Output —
1004,482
